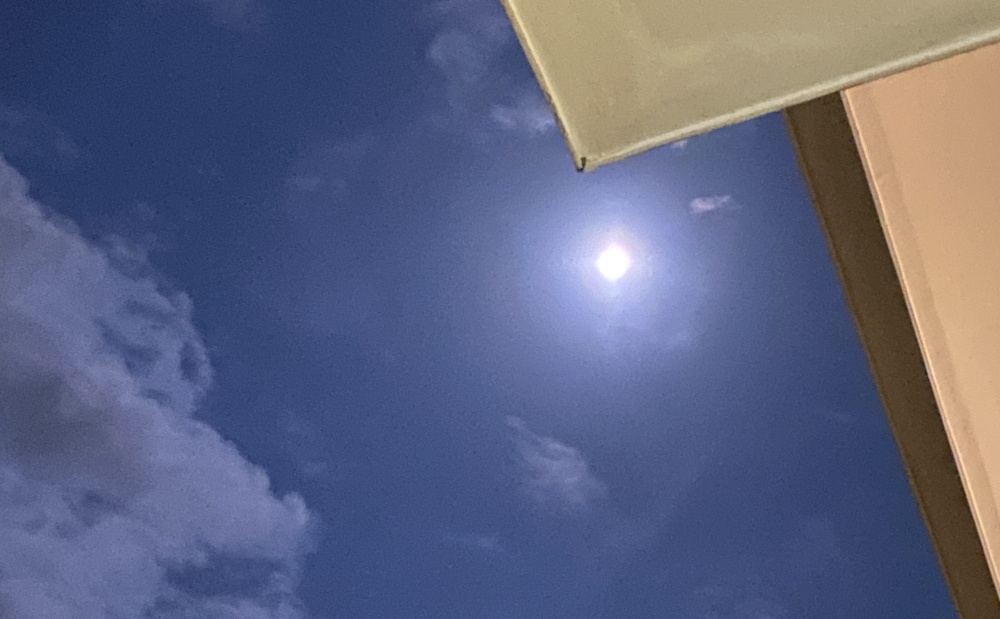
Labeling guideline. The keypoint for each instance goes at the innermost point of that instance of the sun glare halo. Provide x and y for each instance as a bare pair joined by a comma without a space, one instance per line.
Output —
613,263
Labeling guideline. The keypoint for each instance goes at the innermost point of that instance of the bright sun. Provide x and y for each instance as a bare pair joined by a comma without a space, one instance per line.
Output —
613,263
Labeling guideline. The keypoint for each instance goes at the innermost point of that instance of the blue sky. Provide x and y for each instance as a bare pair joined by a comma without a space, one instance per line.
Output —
299,319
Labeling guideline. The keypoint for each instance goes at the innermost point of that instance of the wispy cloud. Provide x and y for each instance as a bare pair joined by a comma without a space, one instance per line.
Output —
27,133
529,114
109,485
750,599
239,15
813,559
475,542
307,446
556,476
471,36
473,49
707,204
320,171
679,144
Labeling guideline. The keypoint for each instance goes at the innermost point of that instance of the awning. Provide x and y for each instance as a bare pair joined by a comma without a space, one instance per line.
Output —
627,75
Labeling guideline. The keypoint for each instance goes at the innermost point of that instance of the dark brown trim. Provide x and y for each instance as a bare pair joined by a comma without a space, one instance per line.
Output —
835,173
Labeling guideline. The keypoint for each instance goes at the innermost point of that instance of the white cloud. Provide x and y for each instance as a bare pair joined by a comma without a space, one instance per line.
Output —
473,49
556,476
708,204
679,144
108,483
470,39
529,114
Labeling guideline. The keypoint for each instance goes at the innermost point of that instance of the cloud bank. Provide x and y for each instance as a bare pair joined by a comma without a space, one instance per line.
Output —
115,501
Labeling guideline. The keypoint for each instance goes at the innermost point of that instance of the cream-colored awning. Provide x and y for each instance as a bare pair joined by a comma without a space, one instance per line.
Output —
627,75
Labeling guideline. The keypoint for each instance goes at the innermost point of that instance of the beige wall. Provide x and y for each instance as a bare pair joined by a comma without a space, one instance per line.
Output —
930,141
